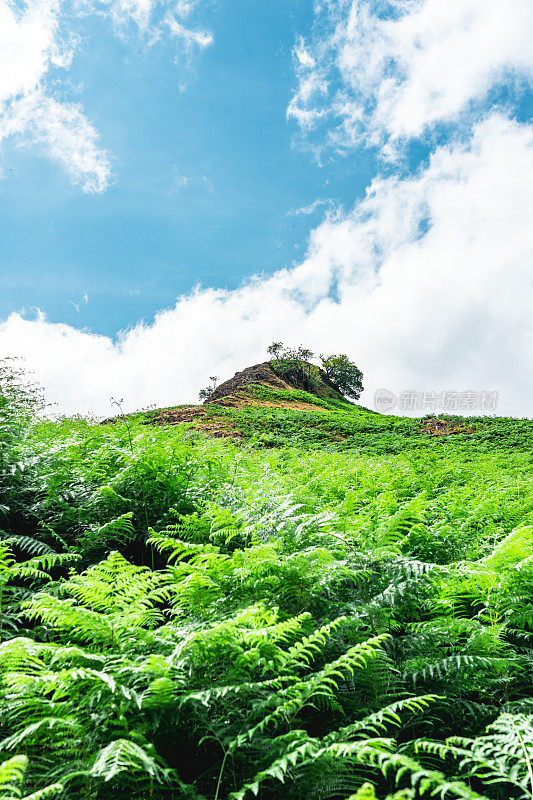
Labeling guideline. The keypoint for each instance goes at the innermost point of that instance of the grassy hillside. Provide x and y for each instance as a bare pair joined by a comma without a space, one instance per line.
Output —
312,601
279,418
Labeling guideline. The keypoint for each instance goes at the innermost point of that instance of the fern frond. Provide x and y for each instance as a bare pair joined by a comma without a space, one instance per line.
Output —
206,696
47,791
121,527
319,685
123,755
503,755
12,774
29,544
48,560
303,652
379,721
459,663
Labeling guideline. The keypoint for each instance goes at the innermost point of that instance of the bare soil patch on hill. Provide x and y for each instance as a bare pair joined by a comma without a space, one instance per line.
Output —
197,416
258,373
442,427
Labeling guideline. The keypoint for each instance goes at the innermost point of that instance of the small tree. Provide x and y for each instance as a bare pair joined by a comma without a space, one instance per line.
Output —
205,394
304,354
292,364
344,374
274,350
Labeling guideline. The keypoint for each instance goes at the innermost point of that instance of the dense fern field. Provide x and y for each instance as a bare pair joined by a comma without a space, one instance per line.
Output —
288,615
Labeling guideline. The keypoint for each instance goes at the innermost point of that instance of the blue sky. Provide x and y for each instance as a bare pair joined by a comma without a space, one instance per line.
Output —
184,181
205,174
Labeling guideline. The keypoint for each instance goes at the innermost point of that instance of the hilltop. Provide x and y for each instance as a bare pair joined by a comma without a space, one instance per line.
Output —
264,374
256,388
256,405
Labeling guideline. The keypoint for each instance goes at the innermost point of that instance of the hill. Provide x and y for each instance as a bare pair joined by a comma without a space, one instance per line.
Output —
237,405
265,375
258,406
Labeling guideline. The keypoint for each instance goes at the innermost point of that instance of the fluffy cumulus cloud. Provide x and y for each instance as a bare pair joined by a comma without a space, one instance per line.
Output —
37,45
389,70
425,283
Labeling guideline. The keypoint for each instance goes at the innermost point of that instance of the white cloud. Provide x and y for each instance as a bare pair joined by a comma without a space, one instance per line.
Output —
189,36
37,39
155,18
309,209
391,69
137,11
425,283
305,59
180,181
30,45
208,184
64,133
184,7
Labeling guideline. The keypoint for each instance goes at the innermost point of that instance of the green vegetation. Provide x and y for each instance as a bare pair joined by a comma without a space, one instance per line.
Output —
344,374
331,424
293,365
335,605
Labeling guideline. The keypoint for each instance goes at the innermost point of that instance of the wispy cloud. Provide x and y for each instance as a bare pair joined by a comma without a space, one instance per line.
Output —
124,12
309,209
31,43
77,306
64,134
189,36
155,18
178,179
208,184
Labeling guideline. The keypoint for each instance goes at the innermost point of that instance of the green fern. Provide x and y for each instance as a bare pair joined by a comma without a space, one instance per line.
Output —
12,774
504,755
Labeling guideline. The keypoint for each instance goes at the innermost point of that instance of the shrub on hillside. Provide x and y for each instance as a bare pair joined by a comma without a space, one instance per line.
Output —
344,374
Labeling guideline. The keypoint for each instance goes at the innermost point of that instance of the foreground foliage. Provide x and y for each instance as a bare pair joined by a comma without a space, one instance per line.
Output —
187,618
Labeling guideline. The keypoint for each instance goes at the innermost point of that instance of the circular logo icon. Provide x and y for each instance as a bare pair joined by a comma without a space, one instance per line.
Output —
384,400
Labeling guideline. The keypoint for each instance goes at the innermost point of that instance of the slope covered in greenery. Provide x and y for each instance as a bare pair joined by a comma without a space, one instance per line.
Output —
328,604
271,417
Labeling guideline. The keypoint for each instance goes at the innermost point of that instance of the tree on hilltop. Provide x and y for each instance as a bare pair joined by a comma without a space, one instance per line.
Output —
275,349
344,374
292,363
